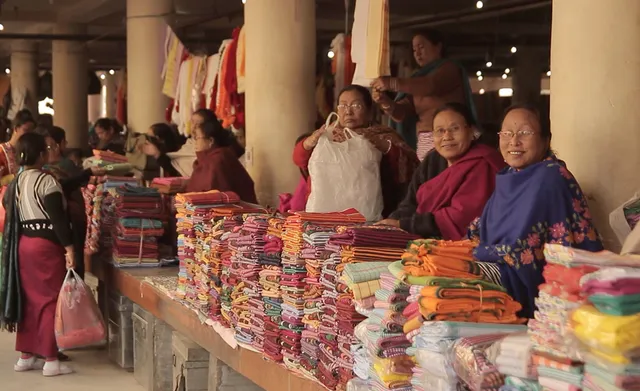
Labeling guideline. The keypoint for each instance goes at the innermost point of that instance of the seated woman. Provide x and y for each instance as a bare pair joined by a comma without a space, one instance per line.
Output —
217,167
442,201
355,109
536,201
109,137
161,140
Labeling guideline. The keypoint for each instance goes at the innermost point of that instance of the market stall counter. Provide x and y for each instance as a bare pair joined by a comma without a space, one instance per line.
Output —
137,285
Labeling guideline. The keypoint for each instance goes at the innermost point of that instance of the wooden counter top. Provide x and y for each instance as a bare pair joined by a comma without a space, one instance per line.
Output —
268,375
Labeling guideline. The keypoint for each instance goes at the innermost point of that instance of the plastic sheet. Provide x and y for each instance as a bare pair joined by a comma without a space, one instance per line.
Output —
78,320
472,364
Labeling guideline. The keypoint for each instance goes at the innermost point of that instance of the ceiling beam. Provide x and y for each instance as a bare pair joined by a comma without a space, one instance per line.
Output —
87,11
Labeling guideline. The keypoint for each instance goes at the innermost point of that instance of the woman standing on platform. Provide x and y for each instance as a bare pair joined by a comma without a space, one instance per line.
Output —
37,245
437,82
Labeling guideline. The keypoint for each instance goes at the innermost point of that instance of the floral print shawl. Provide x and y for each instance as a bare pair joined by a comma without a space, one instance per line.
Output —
540,204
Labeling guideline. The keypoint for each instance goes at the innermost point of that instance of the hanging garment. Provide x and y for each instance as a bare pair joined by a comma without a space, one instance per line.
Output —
377,61
342,66
220,89
240,61
173,54
200,75
359,42
213,63
183,109
231,105
121,100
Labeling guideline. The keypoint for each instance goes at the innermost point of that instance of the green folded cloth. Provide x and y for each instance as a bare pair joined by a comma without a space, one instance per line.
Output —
355,273
397,270
616,305
522,384
567,377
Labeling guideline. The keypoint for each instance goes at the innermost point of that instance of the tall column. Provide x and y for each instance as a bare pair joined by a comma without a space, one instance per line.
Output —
594,112
109,96
146,29
280,83
527,76
70,86
24,72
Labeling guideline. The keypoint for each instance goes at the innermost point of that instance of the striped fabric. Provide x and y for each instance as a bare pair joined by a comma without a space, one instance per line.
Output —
491,272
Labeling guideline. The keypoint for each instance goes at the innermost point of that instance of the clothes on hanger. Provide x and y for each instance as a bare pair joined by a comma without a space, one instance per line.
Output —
341,66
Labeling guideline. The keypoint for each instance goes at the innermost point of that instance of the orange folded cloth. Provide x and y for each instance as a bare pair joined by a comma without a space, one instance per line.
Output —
440,258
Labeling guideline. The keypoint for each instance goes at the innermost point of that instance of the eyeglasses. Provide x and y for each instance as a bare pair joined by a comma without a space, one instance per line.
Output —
508,135
453,130
354,107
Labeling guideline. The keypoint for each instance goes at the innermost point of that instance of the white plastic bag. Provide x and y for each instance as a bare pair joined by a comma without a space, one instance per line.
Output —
345,175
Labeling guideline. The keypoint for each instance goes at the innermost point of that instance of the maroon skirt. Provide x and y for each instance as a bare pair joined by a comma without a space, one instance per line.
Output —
42,272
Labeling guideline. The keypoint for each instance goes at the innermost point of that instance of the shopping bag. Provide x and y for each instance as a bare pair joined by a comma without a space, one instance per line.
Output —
78,322
345,175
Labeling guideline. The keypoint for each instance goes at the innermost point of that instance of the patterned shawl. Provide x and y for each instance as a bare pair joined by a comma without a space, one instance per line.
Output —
540,204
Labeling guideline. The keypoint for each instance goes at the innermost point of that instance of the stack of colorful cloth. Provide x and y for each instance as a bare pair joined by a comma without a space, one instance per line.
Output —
247,265
141,218
515,360
169,185
271,263
432,345
314,255
114,164
453,287
194,211
292,281
609,329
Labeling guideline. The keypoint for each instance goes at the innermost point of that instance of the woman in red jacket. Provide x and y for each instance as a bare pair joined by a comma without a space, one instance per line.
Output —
217,166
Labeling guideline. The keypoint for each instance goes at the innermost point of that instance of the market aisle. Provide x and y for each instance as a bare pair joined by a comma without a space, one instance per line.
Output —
95,373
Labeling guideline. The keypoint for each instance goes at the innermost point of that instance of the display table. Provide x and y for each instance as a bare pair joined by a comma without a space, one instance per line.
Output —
131,283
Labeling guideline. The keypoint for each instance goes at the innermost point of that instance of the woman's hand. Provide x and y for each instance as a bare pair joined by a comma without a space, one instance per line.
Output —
150,150
70,258
389,223
382,99
382,84
310,142
98,171
383,145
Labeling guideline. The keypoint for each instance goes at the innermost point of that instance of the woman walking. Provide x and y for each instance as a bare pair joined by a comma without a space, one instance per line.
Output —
37,245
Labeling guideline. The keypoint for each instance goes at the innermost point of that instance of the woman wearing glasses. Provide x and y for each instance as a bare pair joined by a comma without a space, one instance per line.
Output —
536,201
355,110
452,185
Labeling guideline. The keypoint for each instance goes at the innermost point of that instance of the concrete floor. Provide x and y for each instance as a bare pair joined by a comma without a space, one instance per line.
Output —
93,372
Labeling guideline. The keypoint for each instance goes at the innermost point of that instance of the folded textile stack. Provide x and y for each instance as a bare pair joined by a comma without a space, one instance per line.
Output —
100,209
556,360
453,288
193,211
169,185
271,263
515,358
114,164
609,329
314,255
292,281
366,246
245,264
433,345
141,216
108,157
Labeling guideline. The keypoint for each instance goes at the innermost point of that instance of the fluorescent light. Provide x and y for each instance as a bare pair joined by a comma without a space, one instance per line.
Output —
480,78
7,71
112,72
1,27
505,92
514,49
504,76
549,73
331,54
481,91
479,4
489,64
507,71
479,73
102,76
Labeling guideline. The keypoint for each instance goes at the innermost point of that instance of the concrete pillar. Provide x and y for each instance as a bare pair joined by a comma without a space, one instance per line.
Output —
280,83
146,30
70,86
24,72
594,113
526,77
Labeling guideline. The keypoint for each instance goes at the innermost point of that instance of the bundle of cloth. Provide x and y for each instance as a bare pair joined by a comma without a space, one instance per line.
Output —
294,275
114,163
141,219
314,255
248,267
366,247
193,212
100,210
452,287
270,261
514,360
609,328
432,345
169,185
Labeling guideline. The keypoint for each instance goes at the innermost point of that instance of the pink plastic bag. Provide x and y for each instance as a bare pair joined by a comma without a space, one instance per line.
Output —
79,322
